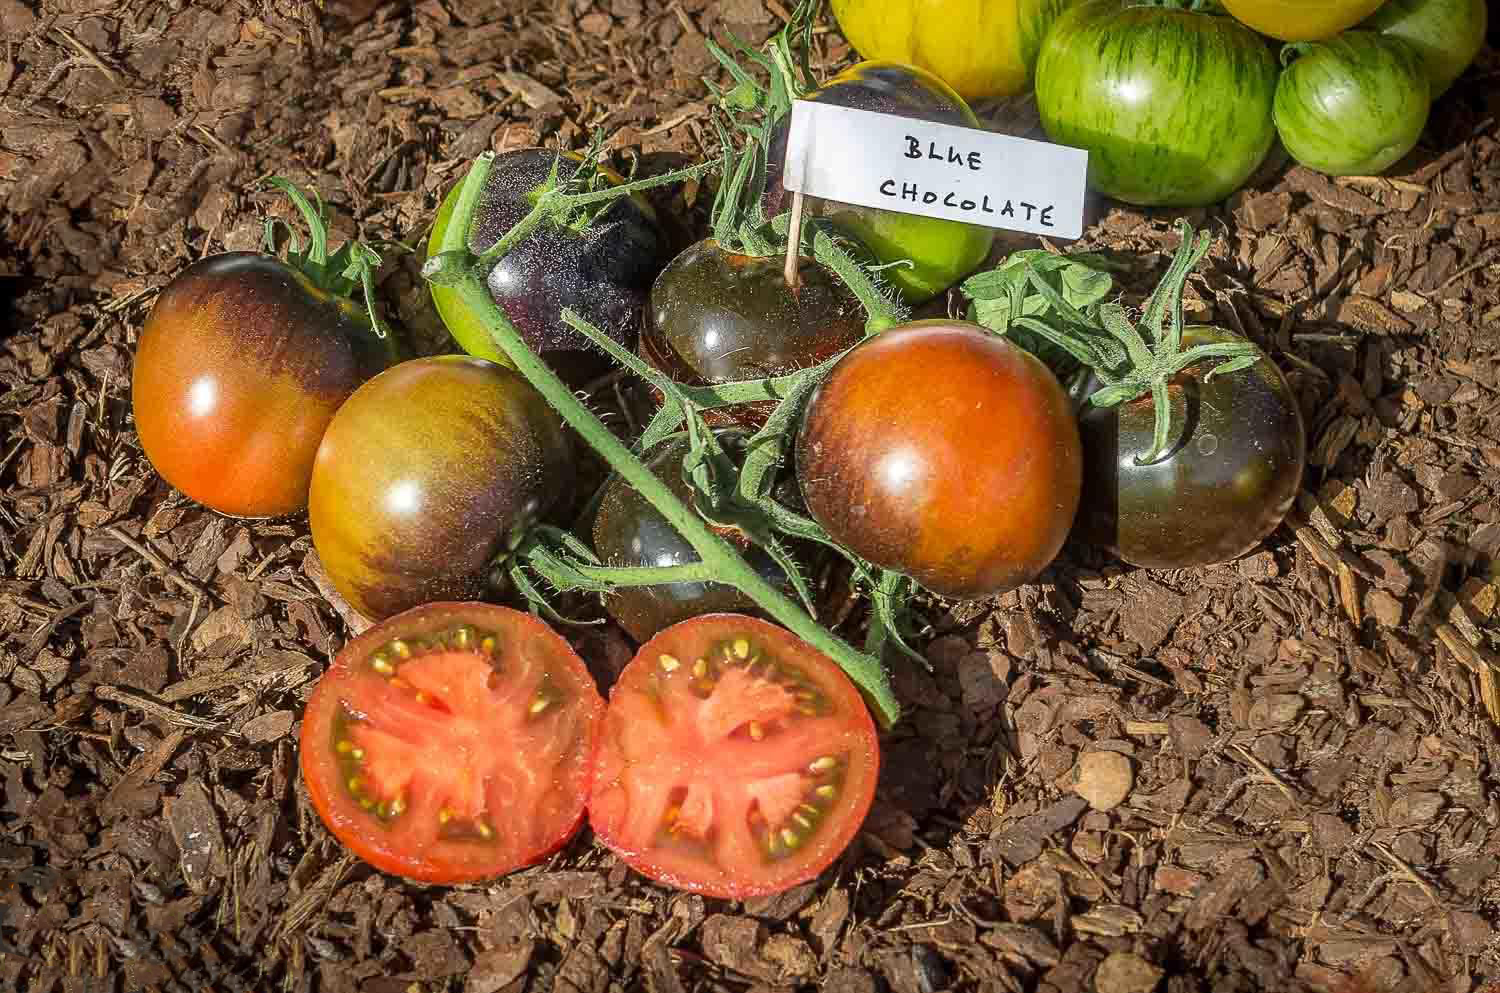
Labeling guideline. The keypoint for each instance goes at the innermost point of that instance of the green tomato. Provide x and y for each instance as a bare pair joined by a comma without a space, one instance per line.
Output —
1352,105
1447,34
940,251
1173,106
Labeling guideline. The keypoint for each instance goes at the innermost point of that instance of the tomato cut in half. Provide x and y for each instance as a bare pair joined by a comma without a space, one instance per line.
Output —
452,742
735,761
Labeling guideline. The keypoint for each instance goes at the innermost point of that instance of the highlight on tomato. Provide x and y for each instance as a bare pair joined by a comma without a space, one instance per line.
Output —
1173,106
943,452
933,252
1300,20
1447,34
1353,105
735,760
427,473
601,267
452,743
981,48
238,371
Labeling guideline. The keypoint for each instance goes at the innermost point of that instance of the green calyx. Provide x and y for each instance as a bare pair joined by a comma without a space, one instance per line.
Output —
1058,310
349,270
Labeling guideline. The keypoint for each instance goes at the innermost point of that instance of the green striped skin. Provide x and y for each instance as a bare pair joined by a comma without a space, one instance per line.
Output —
1174,107
1447,34
1352,105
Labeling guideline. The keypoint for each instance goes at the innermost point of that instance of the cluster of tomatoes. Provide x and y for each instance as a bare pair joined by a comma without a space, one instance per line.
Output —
456,740
1177,103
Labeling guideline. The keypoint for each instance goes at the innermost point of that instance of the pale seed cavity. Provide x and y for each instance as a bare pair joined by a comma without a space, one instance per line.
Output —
782,840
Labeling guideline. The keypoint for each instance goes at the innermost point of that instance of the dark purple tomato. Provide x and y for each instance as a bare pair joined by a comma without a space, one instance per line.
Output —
717,316
629,531
943,452
602,271
1235,461
239,369
428,472
940,251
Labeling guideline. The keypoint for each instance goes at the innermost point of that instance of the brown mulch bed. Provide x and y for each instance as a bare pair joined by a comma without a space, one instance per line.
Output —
1310,731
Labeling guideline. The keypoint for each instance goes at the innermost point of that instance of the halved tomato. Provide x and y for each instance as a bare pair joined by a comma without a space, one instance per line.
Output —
452,742
736,760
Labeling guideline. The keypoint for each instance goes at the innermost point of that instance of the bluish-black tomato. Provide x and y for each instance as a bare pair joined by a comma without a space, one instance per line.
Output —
717,316
1230,475
629,531
603,271
940,251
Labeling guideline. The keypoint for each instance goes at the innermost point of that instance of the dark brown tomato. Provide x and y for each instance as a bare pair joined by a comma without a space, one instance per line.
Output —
629,531
1235,460
237,373
943,452
716,316
426,473
603,271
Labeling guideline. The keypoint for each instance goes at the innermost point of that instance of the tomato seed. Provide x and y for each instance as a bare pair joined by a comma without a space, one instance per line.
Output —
540,704
742,648
822,765
382,665
700,668
485,831
421,697
356,753
801,820
463,637
344,747
789,838
826,792
669,664
354,784
487,645
400,649
756,731
445,815
398,805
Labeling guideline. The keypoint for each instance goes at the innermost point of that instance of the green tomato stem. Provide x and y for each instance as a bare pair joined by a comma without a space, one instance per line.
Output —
647,575
456,266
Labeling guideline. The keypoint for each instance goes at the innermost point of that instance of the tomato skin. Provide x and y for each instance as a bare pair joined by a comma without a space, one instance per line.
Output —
1300,20
940,36
1238,450
237,373
941,251
677,748
629,531
943,452
405,849
1174,107
1352,105
1447,34
717,316
423,476
603,272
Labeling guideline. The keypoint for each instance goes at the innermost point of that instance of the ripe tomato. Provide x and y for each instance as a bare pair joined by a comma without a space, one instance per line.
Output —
237,373
940,251
943,452
602,271
1352,105
629,531
1300,20
981,48
735,760
426,473
1446,33
716,316
1173,106
452,743
1234,464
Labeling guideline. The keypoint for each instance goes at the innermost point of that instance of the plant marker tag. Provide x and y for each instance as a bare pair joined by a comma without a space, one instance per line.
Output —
938,170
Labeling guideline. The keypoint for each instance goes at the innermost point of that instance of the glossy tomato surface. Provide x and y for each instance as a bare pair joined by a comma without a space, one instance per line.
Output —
717,316
981,48
1173,106
452,743
735,760
426,473
1232,470
940,251
1447,34
602,271
238,371
945,453
1352,105
1300,20
629,531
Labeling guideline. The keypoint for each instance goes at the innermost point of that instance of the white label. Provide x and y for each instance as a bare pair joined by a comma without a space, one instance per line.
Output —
939,170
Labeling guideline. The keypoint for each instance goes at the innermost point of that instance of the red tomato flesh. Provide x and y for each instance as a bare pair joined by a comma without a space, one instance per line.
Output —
453,742
736,760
